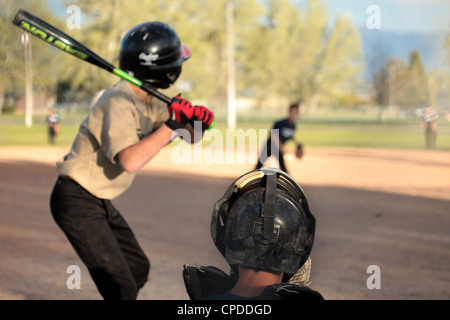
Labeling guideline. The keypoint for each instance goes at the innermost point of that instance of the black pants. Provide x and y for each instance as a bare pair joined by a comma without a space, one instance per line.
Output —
102,239
430,137
270,149
51,135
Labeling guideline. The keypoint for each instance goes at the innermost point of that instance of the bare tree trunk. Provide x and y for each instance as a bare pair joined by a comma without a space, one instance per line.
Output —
314,102
2,100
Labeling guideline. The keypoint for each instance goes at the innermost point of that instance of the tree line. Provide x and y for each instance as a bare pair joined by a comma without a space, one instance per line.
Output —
284,52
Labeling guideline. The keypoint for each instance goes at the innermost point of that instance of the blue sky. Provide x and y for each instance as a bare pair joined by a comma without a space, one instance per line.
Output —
422,16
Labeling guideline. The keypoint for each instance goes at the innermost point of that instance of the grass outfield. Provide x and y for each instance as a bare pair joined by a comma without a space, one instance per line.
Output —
399,134
19,135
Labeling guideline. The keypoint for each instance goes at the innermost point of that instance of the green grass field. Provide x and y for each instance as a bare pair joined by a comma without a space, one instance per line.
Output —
406,134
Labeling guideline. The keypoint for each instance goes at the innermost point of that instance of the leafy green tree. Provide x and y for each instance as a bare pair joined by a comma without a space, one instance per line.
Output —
12,53
200,24
407,83
296,55
446,72
339,67
283,52
416,90
101,29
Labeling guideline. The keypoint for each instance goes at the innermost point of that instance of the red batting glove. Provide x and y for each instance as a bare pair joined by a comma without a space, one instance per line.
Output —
204,115
180,113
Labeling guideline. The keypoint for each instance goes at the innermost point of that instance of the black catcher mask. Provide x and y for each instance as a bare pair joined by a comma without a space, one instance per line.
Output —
263,221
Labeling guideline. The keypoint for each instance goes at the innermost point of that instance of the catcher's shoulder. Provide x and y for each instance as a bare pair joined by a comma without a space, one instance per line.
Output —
287,291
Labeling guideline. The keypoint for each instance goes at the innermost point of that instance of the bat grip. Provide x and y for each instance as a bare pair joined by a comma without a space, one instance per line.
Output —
148,88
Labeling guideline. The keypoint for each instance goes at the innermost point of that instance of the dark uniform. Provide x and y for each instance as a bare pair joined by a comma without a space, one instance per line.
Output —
282,131
429,118
53,126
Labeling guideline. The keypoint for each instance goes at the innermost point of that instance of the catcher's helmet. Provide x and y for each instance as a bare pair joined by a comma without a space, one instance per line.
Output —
263,221
152,52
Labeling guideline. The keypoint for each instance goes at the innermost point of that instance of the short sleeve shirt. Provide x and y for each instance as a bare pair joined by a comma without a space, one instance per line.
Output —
116,121
430,117
285,129
53,119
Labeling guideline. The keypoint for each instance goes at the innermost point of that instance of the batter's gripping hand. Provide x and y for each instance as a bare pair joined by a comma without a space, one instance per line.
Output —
180,113
204,115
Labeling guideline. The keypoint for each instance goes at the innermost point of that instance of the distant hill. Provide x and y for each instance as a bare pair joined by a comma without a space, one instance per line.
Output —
398,44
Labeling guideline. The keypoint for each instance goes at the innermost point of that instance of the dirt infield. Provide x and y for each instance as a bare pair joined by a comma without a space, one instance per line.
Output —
389,208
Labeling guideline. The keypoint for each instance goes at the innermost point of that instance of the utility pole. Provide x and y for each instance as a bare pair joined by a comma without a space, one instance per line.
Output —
231,82
28,81
391,79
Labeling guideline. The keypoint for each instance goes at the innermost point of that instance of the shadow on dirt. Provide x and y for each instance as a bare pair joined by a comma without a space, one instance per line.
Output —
406,236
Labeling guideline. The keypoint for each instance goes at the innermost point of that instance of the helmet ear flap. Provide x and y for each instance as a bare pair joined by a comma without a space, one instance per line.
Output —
187,53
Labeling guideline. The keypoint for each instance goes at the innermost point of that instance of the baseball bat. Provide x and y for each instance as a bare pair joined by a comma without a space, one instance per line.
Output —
54,36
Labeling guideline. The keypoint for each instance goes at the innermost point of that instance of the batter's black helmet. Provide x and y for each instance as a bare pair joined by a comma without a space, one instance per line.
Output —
152,52
263,221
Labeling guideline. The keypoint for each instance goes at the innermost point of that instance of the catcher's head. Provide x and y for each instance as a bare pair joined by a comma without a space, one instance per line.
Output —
263,221
152,52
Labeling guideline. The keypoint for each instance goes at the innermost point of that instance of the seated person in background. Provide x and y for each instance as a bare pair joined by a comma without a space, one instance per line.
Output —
264,229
